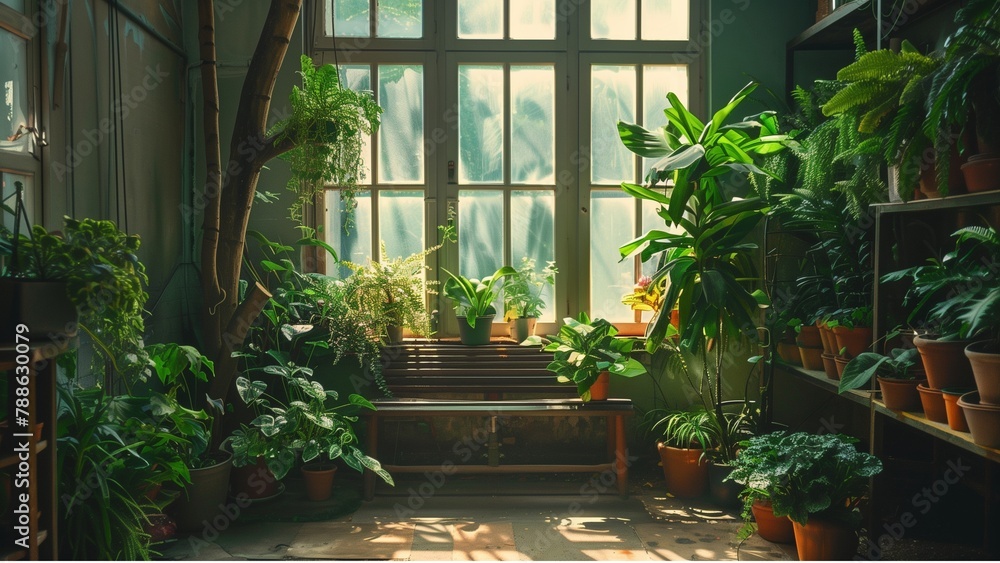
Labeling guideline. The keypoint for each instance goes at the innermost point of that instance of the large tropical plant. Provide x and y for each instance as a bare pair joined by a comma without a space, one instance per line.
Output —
705,259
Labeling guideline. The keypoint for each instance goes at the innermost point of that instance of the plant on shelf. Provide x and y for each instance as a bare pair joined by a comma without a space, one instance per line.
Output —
522,292
902,364
809,478
302,420
706,267
644,296
393,290
473,299
583,350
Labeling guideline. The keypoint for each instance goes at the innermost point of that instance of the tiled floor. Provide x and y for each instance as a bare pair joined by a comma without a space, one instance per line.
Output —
484,527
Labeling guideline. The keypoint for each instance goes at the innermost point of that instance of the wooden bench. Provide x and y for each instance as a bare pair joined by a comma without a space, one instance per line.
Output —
419,373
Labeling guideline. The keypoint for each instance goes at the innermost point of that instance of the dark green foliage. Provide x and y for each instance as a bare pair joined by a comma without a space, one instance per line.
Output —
860,370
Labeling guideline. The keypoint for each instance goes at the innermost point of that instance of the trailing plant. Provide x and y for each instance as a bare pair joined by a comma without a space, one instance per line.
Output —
328,126
474,298
805,474
899,364
302,420
393,290
522,291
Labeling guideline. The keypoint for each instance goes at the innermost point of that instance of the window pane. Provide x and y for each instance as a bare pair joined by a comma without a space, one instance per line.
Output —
480,19
612,99
533,136
480,124
8,191
16,4
612,223
480,232
359,79
401,135
532,19
612,19
532,228
350,19
657,82
399,18
354,245
13,93
401,221
650,220
665,19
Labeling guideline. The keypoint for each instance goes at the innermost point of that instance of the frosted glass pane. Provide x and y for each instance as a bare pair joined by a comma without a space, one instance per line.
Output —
350,19
612,99
8,191
532,19
480,232
533,135
401,135
657,82
612,223
13,93
612,19
532,230
399,18
16,4
354,245
480,19
401,221
359,79
665,20
480,124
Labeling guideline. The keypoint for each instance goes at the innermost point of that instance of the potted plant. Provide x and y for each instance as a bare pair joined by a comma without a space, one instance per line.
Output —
474,304
393,291
898,376
522,293
752,468
686,437
586,352
817,480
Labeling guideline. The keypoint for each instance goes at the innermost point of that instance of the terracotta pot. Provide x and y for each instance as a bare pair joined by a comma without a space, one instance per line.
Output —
685,470
900,394
841,362
956,180
723,493
478,336
933,403
830,366
808,337
955,414
770,527
523,327
318,479
812,357
599,390
945,362
789,353
986,371
255,481
822,539
983,420
982,173
856,340
828,339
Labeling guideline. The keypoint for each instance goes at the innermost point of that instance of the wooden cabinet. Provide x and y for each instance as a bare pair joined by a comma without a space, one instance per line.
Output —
27,455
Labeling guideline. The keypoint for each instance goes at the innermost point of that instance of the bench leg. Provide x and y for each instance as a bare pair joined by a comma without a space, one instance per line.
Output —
621,456
369,477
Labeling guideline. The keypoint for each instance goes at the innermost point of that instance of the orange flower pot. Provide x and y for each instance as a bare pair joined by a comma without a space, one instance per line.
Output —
955,415
856,340
599,390
812,357
809,337
769,526
821,539
685,469
933,402
945,362
900,394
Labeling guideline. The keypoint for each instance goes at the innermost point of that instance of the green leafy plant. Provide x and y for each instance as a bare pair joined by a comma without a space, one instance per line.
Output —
327,127
304,419
522,291
584,348
393,290
474,298
899,364
684,429
805,474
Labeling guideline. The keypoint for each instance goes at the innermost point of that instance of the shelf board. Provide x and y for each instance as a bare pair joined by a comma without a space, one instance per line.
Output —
819,379
938,430
951,202
9,460
17,554
834,31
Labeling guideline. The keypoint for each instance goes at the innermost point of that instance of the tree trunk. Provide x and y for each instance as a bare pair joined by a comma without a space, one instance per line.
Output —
229,198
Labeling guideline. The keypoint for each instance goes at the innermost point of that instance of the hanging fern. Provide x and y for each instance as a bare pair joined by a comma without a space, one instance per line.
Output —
329,125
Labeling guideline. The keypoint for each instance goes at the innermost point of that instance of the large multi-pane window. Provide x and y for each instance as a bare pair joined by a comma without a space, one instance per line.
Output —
483,117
